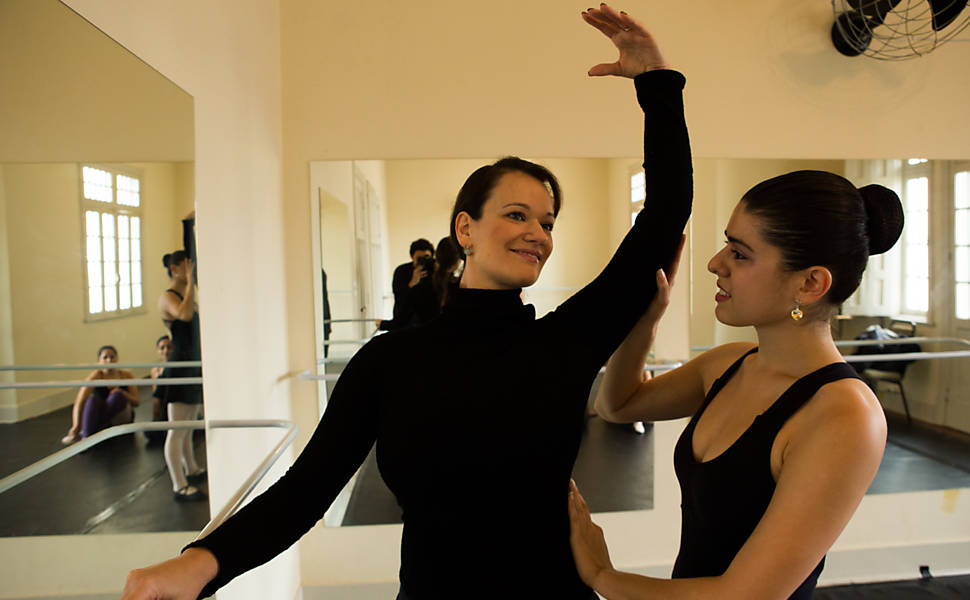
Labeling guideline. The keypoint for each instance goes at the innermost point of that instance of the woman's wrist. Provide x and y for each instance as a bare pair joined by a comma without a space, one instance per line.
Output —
202,563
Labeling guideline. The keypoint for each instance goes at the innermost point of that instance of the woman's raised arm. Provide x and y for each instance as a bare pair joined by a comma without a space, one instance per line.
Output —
603,312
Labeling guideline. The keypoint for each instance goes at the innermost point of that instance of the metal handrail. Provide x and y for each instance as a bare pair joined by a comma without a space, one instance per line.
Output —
81,367
79,383
351,320
666,366
308,376
890,342
228,508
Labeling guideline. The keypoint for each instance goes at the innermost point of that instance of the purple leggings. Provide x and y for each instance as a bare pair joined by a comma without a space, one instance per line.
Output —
98,412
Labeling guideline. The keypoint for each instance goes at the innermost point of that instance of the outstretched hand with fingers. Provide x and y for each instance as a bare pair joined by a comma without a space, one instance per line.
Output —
586,539
639,51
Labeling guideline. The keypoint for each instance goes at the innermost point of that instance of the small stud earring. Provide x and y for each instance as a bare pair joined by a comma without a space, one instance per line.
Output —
796,313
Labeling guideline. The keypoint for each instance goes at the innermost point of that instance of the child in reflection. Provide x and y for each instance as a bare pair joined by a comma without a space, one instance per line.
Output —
784,438
98,407
163,346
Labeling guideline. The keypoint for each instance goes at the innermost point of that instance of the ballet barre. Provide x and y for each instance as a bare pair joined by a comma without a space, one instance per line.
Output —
80,383
352,320
665,366
83,367
237,498
308,376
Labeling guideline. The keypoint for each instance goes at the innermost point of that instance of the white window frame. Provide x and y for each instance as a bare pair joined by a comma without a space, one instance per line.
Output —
887,271
638,193
115,210
955,168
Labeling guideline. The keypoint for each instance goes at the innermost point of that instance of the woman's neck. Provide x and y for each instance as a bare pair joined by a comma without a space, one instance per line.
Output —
796,349
178,285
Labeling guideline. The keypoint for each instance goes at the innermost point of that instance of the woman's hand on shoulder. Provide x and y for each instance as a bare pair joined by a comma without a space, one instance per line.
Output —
639,51
180,578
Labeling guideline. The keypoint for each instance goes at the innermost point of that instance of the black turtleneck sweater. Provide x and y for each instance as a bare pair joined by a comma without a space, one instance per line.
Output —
478,415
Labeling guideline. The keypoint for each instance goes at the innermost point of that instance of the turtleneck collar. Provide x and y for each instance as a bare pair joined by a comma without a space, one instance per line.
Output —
488,305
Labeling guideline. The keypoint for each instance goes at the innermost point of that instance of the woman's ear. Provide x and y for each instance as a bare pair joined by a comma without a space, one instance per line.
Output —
816,282
463,226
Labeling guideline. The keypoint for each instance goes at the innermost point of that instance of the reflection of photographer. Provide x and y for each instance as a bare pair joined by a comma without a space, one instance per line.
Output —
412,287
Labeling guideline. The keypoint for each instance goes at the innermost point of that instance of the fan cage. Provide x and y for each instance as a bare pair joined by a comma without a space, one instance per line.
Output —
907,31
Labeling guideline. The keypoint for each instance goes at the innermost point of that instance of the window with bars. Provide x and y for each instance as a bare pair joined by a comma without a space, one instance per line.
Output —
638,193
961,244
916,238
111,207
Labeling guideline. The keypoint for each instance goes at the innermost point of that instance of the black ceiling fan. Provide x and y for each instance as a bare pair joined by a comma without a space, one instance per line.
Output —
920,24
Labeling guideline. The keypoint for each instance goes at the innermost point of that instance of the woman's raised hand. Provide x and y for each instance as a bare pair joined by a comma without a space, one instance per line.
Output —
639,52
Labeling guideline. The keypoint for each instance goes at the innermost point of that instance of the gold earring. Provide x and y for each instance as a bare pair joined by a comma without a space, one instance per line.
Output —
796,313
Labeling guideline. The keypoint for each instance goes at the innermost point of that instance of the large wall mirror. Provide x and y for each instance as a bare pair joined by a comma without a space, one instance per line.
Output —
367,212
96,175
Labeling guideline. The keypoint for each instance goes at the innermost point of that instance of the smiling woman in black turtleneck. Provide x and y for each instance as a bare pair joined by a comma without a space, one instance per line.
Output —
491,353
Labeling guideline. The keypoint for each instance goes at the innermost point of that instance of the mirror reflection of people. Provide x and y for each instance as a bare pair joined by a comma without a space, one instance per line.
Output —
784,437
409,298
163,347
447,260
184,402
98,407
436,397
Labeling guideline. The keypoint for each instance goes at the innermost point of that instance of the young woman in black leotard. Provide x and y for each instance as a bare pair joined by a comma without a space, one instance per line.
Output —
184,402
489,353
785,438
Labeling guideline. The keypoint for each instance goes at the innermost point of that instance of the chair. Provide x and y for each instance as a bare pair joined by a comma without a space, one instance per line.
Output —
891,372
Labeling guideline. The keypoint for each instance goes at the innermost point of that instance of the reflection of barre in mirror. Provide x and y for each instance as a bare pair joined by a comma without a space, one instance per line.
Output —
82,367
237,498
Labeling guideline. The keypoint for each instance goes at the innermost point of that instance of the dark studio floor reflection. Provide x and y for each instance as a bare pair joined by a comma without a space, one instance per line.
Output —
615,469
118,486
123,486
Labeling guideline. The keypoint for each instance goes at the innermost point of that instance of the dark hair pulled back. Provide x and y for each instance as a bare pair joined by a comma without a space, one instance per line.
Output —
478,188
107,347
173,260
447,259
816,218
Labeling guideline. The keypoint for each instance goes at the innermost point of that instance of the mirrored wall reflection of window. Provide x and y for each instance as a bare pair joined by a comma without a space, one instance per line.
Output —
86,219
111,203
961,244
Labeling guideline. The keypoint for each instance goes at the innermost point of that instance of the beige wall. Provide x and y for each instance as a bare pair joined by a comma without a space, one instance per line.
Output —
395,80
74,96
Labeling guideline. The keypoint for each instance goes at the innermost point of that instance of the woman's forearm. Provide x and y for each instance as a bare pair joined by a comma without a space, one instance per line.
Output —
186,308
617,585
624,371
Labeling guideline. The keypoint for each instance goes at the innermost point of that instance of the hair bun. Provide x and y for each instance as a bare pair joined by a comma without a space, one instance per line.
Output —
166,260
884,212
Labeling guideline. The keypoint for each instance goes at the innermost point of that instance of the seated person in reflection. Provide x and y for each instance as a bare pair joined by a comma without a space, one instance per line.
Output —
409,307
163,346
784,438
98,407
406,390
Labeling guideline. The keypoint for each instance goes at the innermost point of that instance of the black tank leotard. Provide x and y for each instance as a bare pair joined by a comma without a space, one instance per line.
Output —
723,499
185,346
